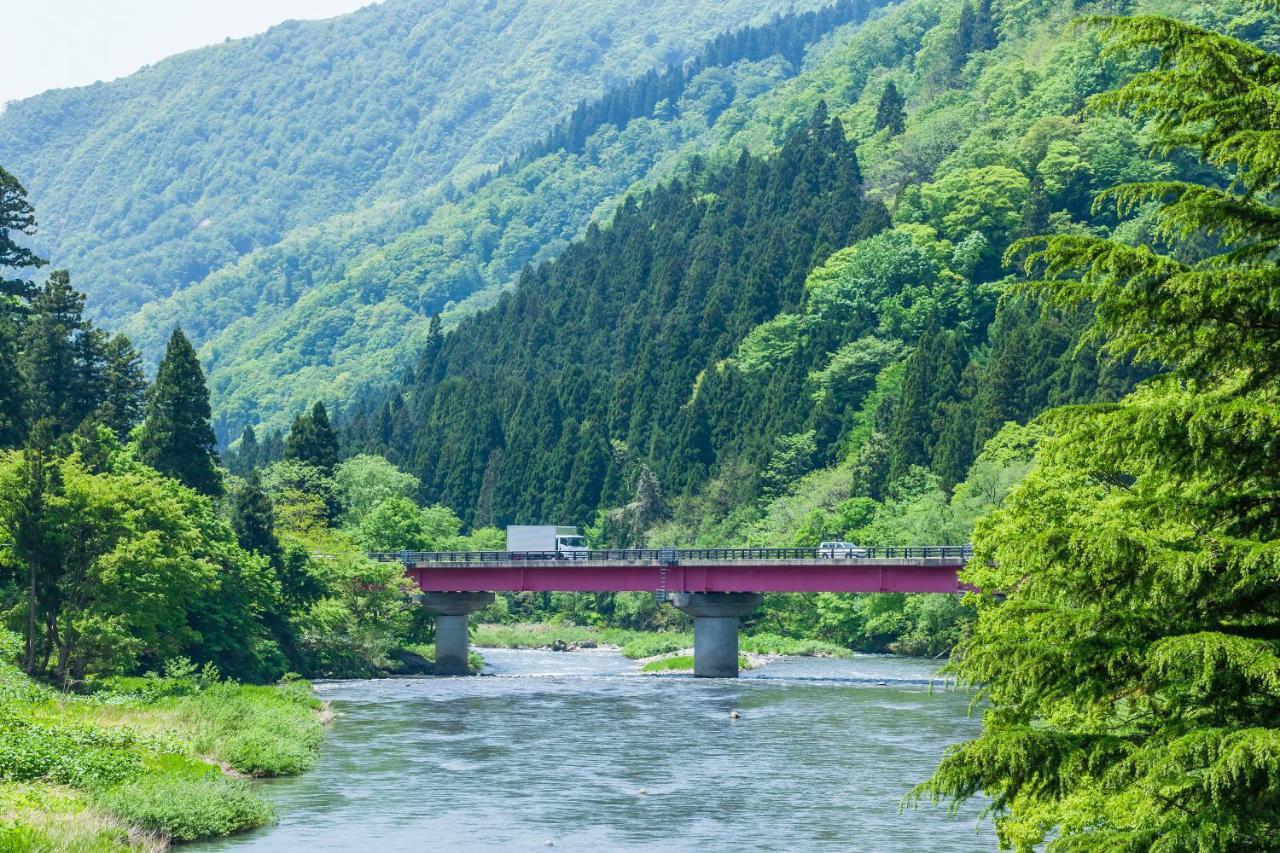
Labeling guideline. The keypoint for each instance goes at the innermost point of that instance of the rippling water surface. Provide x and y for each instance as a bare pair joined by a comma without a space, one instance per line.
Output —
577,751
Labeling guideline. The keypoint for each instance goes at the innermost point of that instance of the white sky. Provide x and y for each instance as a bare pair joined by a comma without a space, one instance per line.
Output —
51,44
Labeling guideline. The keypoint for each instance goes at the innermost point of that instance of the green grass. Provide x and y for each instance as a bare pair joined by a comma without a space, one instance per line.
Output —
682,663
141,761
475,660
187,809
774,644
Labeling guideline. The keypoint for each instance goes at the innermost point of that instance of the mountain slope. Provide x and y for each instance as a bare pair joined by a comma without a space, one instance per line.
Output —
879,360
338,306
149,183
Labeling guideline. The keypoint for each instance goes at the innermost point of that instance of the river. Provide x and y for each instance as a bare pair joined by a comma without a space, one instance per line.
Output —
576,751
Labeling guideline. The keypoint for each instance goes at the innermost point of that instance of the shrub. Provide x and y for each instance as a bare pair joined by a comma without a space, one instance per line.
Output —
186,809
648,645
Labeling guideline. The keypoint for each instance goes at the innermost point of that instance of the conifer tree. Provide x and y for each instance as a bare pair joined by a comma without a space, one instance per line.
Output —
891,111
177,436
1035,210
312,439
124,387
984,28
12,388
962,41
1131,670
16,217
27,512
253,518
247,451
50,362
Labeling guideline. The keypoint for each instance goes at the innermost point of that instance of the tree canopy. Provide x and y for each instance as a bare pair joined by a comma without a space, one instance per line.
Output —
1133,668
177,438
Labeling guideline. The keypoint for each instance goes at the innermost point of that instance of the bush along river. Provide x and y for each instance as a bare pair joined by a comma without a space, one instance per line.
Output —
579,751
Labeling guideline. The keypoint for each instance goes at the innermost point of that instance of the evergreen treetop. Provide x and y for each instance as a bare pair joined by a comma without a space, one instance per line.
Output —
312,439
177,436
890,112
1133,671
16,217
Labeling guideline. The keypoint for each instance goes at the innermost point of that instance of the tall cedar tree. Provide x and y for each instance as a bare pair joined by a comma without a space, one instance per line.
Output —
246,455
124,387
891,113
16,217
984,28
12,387
61,357
254,520
1132,673
312,440
962,42
177,437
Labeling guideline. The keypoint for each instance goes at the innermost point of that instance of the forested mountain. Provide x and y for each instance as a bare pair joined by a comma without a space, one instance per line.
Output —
783,380
337,306
149,184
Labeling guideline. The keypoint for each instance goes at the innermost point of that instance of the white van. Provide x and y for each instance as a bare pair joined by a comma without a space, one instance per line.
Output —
841,550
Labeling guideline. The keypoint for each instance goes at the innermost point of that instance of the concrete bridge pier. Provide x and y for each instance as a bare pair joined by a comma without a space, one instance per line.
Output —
452,639
715,629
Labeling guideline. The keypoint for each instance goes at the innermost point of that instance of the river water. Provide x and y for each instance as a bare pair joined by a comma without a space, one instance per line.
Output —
577,751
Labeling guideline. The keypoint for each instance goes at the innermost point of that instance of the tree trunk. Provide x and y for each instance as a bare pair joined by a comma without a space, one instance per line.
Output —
30,664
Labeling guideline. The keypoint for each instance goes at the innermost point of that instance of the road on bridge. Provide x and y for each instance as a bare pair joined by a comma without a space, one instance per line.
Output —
932,568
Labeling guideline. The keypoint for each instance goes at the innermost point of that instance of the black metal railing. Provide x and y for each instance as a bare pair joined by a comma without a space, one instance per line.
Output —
665,555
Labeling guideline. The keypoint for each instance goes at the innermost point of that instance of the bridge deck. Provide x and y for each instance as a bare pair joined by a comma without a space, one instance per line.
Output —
683,572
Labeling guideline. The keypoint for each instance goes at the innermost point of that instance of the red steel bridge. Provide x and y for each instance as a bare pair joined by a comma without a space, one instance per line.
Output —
713,585
928,568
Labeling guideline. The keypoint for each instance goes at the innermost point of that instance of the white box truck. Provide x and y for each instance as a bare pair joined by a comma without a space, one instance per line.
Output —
565,542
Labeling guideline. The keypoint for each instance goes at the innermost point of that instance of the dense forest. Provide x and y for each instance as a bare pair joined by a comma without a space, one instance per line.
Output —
787,36
959,272
374,117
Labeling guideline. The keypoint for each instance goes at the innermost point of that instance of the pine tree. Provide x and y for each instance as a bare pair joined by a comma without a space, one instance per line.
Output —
984,28
28,512
16,217
49,361
1035,210
124,387
253,518
177,436
962,41
13,390
1131,669
312,439
912,428
891,111
431,349
247,452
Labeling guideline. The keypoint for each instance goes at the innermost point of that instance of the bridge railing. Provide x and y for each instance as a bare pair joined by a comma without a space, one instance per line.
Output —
668,555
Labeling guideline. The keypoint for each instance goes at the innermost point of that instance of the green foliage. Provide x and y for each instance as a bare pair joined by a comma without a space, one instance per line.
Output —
133,754
398,524
682,663
177,439
187,809
364,481
16,217
312,441
230,229
1132,669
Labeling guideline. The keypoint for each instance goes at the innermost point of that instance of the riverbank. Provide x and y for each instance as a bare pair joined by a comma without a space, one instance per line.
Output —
141,762
636,645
